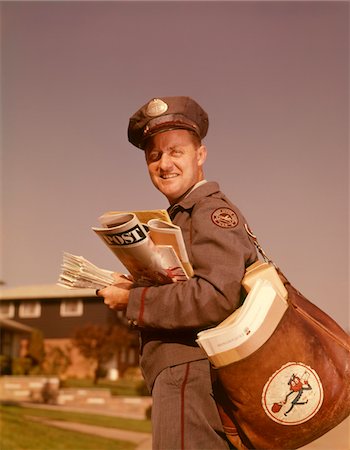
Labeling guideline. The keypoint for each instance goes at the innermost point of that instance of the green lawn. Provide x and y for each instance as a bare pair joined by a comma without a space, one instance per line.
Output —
18,432
123,386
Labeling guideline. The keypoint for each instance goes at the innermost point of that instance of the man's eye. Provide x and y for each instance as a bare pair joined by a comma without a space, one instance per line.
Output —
176,152
153,156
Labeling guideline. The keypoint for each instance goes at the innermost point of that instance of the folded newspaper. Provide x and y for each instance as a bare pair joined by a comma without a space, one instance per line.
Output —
78,272
150,247
247,328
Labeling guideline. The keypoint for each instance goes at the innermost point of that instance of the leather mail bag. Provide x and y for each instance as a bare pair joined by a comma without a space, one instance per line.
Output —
294,388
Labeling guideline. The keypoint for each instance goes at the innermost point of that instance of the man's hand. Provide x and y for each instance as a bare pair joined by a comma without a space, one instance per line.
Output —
116,296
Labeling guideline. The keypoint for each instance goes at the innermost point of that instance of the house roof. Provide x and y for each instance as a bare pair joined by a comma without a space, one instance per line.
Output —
43,291
9,324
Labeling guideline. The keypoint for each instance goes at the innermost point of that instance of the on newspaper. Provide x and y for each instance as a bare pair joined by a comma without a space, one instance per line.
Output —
146,242
78,272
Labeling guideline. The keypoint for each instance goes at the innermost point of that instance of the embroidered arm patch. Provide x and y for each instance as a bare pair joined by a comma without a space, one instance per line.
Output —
224,218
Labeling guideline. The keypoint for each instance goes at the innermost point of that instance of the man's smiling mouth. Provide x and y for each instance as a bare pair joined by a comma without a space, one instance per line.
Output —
169,175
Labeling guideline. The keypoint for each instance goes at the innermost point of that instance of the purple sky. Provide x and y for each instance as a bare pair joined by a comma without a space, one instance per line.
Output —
273,77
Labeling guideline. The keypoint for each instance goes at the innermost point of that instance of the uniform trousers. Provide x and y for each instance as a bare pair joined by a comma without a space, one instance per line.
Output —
184,412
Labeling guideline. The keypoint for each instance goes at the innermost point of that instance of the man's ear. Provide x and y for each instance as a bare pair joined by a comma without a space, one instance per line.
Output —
201,155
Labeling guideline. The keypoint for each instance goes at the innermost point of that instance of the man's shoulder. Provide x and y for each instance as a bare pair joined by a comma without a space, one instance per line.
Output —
215,198
208,199
202,193
218,210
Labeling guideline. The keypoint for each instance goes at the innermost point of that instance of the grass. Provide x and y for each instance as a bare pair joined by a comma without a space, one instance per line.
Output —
122,386
18,432
87,418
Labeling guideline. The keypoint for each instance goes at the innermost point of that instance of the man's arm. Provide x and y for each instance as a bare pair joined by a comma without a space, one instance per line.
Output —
219,256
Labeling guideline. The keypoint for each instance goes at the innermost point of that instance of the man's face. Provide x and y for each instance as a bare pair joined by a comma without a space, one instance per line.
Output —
174,162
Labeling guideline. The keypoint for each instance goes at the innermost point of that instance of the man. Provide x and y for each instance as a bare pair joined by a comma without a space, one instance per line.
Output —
184,415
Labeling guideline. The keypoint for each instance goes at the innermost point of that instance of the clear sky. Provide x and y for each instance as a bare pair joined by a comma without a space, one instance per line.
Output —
273,77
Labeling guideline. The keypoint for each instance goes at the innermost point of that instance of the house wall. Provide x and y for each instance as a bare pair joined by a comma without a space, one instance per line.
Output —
55,326
58,331
80,367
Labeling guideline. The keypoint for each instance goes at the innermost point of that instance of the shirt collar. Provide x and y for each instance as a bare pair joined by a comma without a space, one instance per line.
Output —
199,190
193,188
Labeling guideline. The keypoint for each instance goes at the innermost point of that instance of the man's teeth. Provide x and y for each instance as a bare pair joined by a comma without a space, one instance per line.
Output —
170,175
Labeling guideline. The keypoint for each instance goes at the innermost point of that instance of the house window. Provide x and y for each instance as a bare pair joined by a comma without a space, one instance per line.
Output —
71,308
29,309
7,309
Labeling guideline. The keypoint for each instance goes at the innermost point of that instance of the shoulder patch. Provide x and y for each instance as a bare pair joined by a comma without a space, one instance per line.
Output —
224,218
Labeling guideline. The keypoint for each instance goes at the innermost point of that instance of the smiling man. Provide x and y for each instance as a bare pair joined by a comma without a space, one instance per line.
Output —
184,415
175,159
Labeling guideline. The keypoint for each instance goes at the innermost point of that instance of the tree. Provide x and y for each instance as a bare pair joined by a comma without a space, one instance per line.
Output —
99,343
57,360
36,351
31,363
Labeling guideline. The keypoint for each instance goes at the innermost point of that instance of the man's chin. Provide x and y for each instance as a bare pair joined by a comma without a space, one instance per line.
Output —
168,188
171,194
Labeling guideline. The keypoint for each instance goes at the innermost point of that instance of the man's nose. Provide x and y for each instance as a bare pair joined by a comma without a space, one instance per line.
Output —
165,162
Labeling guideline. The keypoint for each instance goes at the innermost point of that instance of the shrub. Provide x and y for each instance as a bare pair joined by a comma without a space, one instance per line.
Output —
57,360
49,393
142,389
148,412
5,365
21,366
133,373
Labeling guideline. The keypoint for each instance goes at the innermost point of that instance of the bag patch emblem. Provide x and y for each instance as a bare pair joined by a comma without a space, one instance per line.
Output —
293,394
224,218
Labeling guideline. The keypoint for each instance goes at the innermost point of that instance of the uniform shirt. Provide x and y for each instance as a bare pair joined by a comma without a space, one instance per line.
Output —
170,316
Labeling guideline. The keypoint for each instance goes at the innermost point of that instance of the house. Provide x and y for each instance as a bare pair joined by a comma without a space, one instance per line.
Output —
58,312
12,336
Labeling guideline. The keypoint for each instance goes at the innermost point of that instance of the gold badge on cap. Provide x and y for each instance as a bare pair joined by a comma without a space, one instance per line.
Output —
156,107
